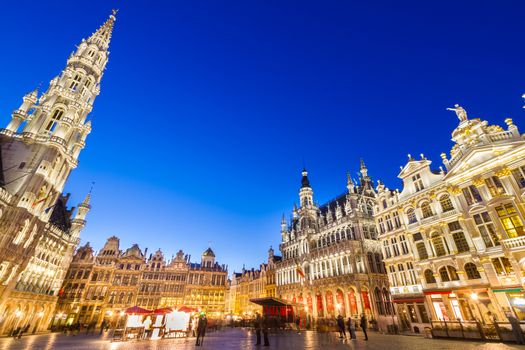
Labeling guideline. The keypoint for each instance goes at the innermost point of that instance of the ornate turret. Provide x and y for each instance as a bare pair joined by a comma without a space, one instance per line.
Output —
306,193
208,258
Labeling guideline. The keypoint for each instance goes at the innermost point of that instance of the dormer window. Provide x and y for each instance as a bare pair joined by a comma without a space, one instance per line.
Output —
418,182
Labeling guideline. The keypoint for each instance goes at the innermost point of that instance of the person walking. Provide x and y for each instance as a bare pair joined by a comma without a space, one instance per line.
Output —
341,326
102,326
351,328
363,325
201,329
257,325
265,325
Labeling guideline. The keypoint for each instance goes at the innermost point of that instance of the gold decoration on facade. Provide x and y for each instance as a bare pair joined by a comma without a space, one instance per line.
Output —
454,190
505,171
478,181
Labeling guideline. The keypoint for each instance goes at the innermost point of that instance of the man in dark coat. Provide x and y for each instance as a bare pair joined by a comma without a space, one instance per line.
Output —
201,329
341,326
363,325
265,325
257,326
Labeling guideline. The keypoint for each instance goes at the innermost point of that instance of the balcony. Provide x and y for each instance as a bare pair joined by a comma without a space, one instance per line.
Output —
514,243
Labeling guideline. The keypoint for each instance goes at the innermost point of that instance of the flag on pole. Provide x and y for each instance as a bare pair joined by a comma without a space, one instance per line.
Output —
300,271
42,196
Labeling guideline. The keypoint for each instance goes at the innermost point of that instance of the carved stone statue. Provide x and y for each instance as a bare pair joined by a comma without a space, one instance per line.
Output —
460,112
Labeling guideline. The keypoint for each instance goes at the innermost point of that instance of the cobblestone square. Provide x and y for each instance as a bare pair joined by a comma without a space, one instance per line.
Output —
243,339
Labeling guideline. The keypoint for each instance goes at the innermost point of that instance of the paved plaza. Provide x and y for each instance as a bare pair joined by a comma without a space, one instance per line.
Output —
241,339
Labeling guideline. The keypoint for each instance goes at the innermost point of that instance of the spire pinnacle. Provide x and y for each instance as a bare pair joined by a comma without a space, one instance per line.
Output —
364,170
304,181
102,35
88,196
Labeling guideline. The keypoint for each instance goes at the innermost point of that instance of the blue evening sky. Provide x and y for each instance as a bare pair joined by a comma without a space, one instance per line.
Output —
208,108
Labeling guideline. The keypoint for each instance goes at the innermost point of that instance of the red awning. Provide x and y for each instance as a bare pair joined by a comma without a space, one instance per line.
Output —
135,310
163,311
187,309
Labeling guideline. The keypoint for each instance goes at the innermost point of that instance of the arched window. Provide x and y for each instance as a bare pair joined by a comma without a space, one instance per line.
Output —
444,274
429,277
446,203
411,214
448,273
472,271
426,210
55,117
452,273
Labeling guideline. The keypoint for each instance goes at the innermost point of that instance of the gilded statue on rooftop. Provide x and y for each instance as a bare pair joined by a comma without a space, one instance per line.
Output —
460,112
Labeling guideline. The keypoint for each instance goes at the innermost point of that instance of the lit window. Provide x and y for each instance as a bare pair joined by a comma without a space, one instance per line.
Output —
439,245
459,237
446,203
510,220
422,251
502,266
426,210
495,187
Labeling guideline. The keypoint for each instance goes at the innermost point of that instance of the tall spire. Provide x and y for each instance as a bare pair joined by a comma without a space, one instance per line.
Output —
364,170
102,35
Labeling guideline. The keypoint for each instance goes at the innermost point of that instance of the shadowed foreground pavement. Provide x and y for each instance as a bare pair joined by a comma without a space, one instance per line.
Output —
241,339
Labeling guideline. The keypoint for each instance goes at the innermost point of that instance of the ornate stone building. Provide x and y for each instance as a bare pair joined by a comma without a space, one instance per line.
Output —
38,150
453,239
253,284
102,285
331,256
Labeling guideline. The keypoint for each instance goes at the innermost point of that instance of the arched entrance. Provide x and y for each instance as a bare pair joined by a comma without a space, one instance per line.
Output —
329,303
340,302
352,302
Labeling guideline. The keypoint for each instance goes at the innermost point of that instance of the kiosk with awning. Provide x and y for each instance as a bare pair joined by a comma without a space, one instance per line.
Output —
276,308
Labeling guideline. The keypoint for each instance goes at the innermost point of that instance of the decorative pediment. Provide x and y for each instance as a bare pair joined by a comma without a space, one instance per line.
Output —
479,155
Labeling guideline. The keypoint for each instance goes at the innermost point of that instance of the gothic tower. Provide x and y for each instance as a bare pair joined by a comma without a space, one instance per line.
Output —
38,150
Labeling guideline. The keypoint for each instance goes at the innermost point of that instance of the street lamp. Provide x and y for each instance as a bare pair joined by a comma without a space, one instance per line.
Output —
475,297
